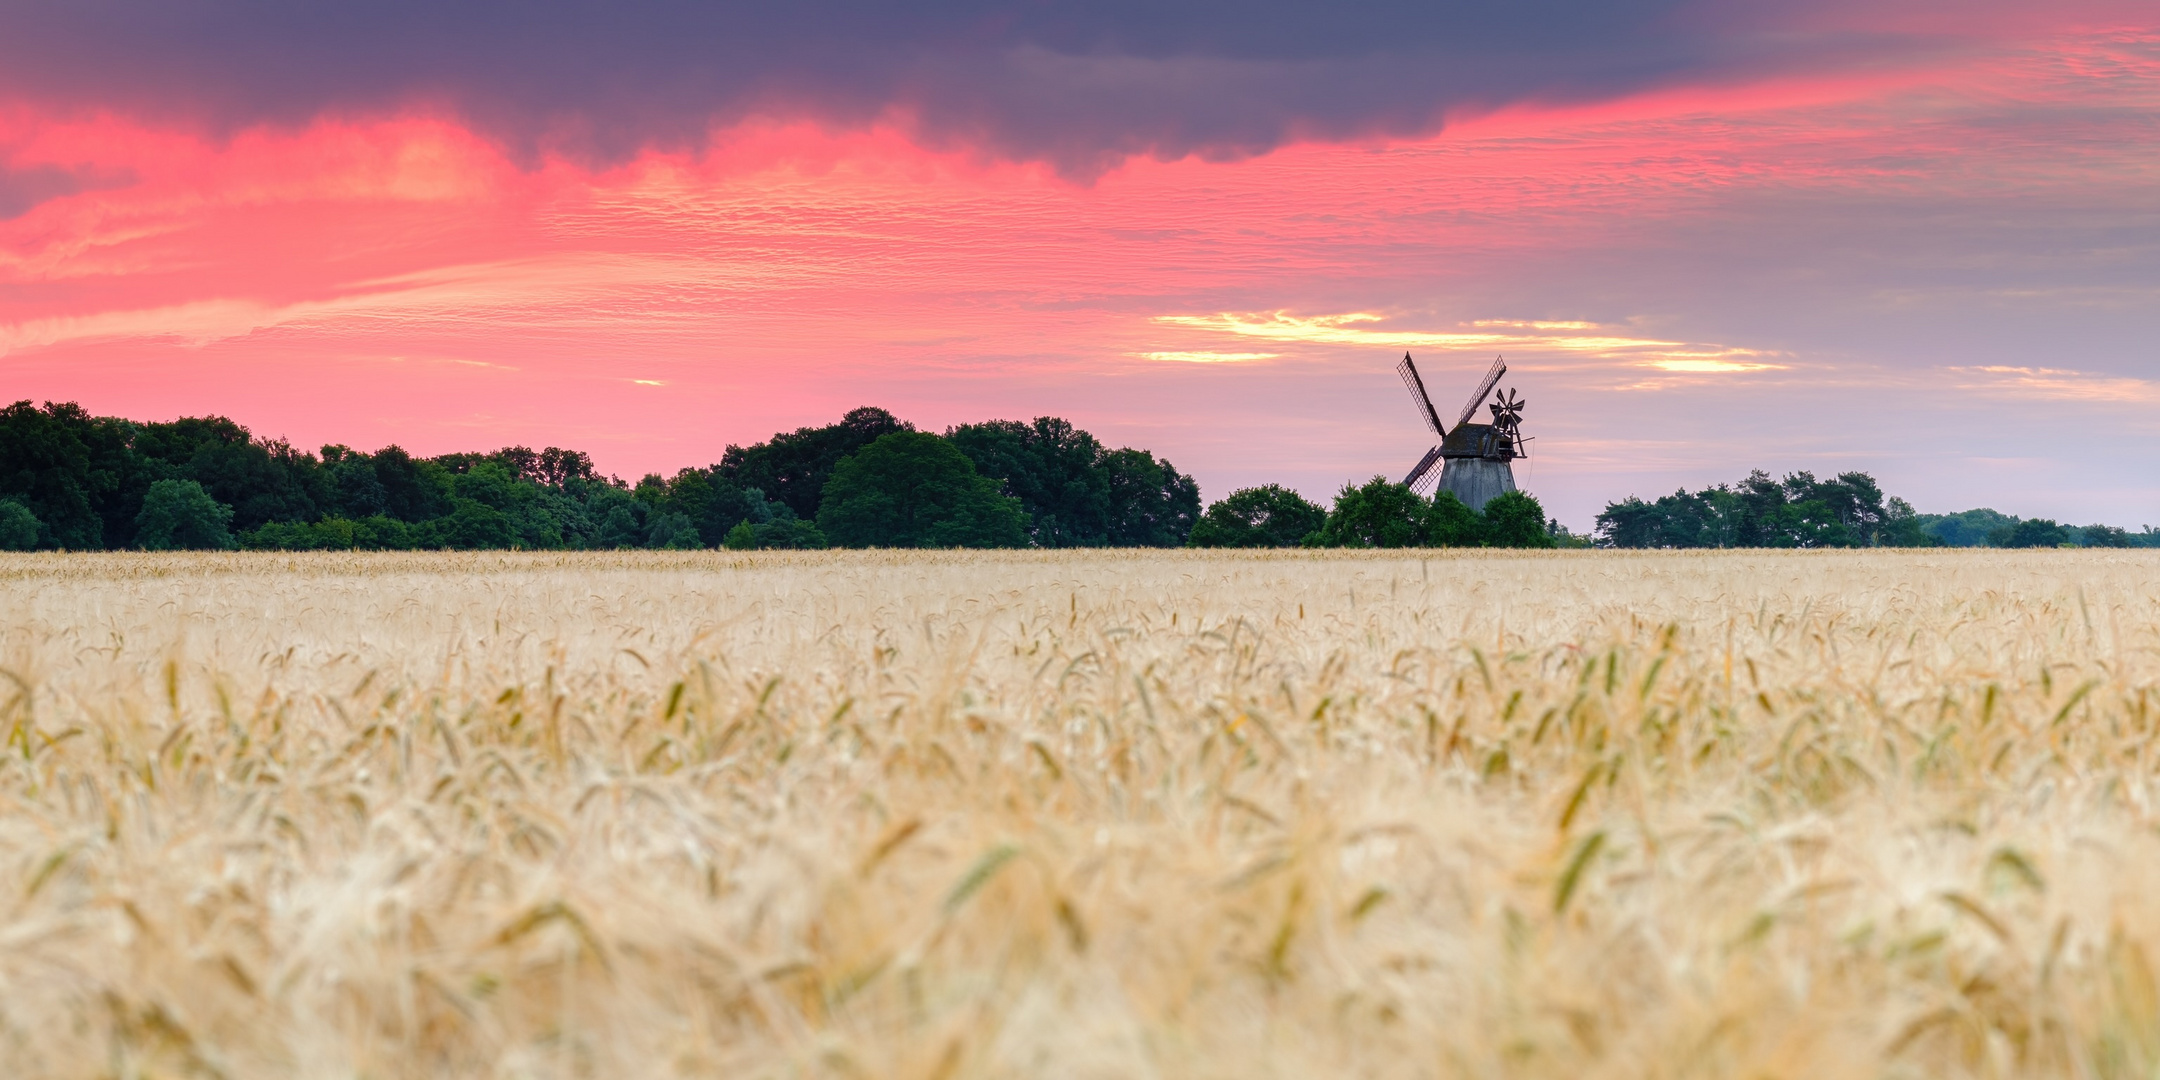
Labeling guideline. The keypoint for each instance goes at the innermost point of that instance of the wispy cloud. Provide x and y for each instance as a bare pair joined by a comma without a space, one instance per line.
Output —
1578,338
1694,365
2058,384
1202,357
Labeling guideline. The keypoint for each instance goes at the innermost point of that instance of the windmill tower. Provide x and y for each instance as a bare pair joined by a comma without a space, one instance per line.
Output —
1473,458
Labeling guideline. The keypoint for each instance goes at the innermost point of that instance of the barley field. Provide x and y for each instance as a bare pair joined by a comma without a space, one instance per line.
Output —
1434,814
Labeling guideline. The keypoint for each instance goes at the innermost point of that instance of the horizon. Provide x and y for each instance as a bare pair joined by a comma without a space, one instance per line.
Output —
1912,240
320,453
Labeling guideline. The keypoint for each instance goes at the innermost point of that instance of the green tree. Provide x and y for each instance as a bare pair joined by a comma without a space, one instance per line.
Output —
352,489
712,503
179,514
19,527
471,525
1266,516
912,489
263,480
1515,520
46,464
1800,511
2107,536
673,531
1379,514
1449,522
1564,538
531,509
1969,528
1056,471
793,467
1901,527
768,524
414,490
1151,503
2029,533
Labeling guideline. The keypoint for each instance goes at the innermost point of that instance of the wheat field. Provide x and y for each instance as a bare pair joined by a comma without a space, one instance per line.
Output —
1116,814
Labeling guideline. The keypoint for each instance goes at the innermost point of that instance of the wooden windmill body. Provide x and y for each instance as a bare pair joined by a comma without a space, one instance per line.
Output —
1474,459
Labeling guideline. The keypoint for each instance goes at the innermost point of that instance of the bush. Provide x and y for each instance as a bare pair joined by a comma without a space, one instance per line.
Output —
1449,522
1515,520
2029,533
673,531
913,489
1268,516
1387,515
19,527
471,526
1563,537
179,514
2106,536
1378,515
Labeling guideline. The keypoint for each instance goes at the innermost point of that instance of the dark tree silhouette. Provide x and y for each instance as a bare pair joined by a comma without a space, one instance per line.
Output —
913,489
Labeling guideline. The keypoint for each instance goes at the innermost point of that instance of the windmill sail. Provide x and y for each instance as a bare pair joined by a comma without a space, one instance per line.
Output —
1424,469
1408,370
1499,368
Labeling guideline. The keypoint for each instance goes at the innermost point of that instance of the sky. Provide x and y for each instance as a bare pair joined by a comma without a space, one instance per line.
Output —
1919,239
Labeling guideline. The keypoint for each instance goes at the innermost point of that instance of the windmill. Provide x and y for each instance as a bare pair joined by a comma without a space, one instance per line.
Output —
1473,458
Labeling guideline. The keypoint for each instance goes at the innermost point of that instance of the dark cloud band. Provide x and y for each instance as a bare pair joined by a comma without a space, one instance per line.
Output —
1079,84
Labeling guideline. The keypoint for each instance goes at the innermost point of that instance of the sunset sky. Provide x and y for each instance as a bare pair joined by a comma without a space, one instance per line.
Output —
1919,239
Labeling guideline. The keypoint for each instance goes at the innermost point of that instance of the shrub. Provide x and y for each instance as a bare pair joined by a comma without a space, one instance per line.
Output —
1266,516
2107,536
179,514
914,489
1449,522
19,527
1515,520
2029,533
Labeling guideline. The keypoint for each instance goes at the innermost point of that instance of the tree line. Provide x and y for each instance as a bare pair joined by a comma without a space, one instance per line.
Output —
1844,511
72,480
75,481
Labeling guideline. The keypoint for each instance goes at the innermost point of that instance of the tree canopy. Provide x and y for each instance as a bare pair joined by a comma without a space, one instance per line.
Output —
1991,528
793,467
1053,468
179,514
1378,514
1267,516
2029,533
1848,510
72,480
19,527
1383,514
913,489
1076,492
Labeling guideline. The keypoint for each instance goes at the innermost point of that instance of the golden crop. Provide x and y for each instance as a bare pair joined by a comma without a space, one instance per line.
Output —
1078,815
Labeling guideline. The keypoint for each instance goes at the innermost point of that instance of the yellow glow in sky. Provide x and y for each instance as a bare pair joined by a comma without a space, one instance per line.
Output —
1546,336
1205,357
1710,366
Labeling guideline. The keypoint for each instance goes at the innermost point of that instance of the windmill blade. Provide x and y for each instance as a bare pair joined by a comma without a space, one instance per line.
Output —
1408,370
1424,466
1499,368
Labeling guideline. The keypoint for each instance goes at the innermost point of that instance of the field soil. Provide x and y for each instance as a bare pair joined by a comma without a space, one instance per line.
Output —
1429,814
